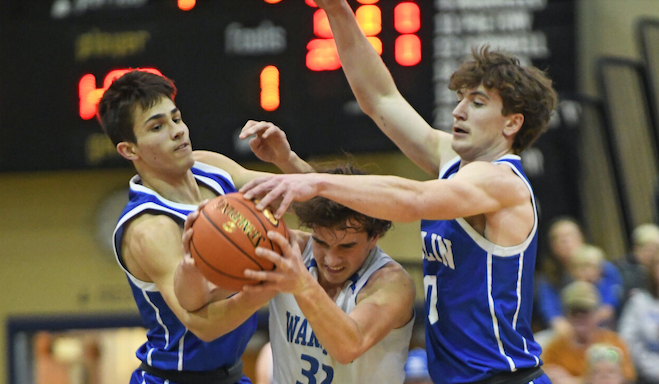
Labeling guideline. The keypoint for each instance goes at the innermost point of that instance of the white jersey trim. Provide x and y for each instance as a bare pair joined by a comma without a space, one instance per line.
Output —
495,321
212,169
143,285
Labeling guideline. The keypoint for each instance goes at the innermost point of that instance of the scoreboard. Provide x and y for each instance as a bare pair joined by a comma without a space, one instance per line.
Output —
234,60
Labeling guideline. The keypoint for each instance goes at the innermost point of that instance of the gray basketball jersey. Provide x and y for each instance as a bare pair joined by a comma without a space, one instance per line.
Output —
300,358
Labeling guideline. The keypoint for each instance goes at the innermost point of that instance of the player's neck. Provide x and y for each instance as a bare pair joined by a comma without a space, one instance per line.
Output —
179,188
332,290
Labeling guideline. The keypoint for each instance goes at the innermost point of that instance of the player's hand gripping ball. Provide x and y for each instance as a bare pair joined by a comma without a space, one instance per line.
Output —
225,236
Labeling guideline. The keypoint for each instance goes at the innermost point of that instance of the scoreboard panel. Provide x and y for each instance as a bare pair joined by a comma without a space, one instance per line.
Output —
232,60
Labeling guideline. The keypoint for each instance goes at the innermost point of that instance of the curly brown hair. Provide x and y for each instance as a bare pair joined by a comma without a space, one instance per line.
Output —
525,90
320,212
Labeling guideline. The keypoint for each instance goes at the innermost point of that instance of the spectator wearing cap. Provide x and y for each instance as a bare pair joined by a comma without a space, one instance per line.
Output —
604,365
416,367
565,358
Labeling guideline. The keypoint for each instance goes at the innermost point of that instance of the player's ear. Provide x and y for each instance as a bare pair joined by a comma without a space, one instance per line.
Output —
514,123
127,150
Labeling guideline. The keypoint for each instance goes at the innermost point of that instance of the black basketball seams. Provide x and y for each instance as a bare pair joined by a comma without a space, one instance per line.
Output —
212,267
230,241
265,237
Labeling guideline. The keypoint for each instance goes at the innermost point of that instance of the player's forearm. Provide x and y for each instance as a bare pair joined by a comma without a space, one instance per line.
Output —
221,317
369,78
191,288
327,321
294,164
383,197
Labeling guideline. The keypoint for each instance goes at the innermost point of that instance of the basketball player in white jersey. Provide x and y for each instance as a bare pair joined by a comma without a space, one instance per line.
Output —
139,115
345,310
479,218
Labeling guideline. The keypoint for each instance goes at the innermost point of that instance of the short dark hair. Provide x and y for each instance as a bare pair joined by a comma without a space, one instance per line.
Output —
525,90
320,212
116,109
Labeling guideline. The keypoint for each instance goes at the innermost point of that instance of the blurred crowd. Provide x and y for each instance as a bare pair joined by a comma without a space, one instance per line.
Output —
598,314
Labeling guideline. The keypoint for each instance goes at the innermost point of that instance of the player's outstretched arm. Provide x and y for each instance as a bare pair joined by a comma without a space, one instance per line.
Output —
479,188
384,304
378,95
269,144
154,247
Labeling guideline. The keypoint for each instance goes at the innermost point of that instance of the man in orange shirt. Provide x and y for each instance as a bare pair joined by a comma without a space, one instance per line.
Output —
565,356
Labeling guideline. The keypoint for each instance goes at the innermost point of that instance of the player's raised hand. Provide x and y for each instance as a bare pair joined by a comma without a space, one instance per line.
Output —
268,143
290,274
284,189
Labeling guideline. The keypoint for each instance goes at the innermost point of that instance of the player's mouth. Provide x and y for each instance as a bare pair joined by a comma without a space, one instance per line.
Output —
459,130
182,146
334,270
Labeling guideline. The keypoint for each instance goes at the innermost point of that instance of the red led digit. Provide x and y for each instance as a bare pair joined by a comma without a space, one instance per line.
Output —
407,18
186,5
369,18
90,95
321,25
408,50
270,88
311,3
322,55
367,1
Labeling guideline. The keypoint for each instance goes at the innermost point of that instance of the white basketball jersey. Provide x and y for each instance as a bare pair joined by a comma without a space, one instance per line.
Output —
300,358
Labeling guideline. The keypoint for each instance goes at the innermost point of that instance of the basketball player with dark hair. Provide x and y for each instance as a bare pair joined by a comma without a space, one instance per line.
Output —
344,312
478,218
139,115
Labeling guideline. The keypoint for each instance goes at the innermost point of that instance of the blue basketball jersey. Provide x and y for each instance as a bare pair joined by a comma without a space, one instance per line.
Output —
169,345
478,297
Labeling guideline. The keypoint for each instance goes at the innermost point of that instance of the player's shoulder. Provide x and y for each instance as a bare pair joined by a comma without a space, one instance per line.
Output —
390,275
209,157
149,226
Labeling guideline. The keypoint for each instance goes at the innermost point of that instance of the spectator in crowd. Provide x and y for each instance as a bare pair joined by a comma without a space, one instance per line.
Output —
635,265
565,356
639,327
604,365
416,367
587,264
565,237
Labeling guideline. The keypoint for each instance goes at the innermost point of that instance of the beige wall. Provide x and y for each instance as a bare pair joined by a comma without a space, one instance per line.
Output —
607,27
52,263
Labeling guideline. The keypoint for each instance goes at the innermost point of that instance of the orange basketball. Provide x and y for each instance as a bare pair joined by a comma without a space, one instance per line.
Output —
225,237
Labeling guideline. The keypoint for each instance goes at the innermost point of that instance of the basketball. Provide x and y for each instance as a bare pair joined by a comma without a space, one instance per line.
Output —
225,236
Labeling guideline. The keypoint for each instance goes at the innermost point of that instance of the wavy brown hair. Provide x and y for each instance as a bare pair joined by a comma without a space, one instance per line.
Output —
525,90
324,213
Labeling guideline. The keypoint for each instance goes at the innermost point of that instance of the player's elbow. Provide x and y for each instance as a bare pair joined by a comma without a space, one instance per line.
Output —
205,334
347,354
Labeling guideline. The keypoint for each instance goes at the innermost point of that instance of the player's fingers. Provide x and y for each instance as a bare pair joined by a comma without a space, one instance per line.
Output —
282,242
284,204
256,128
187,236
253,187
268,254
273,130
269,197
246,129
